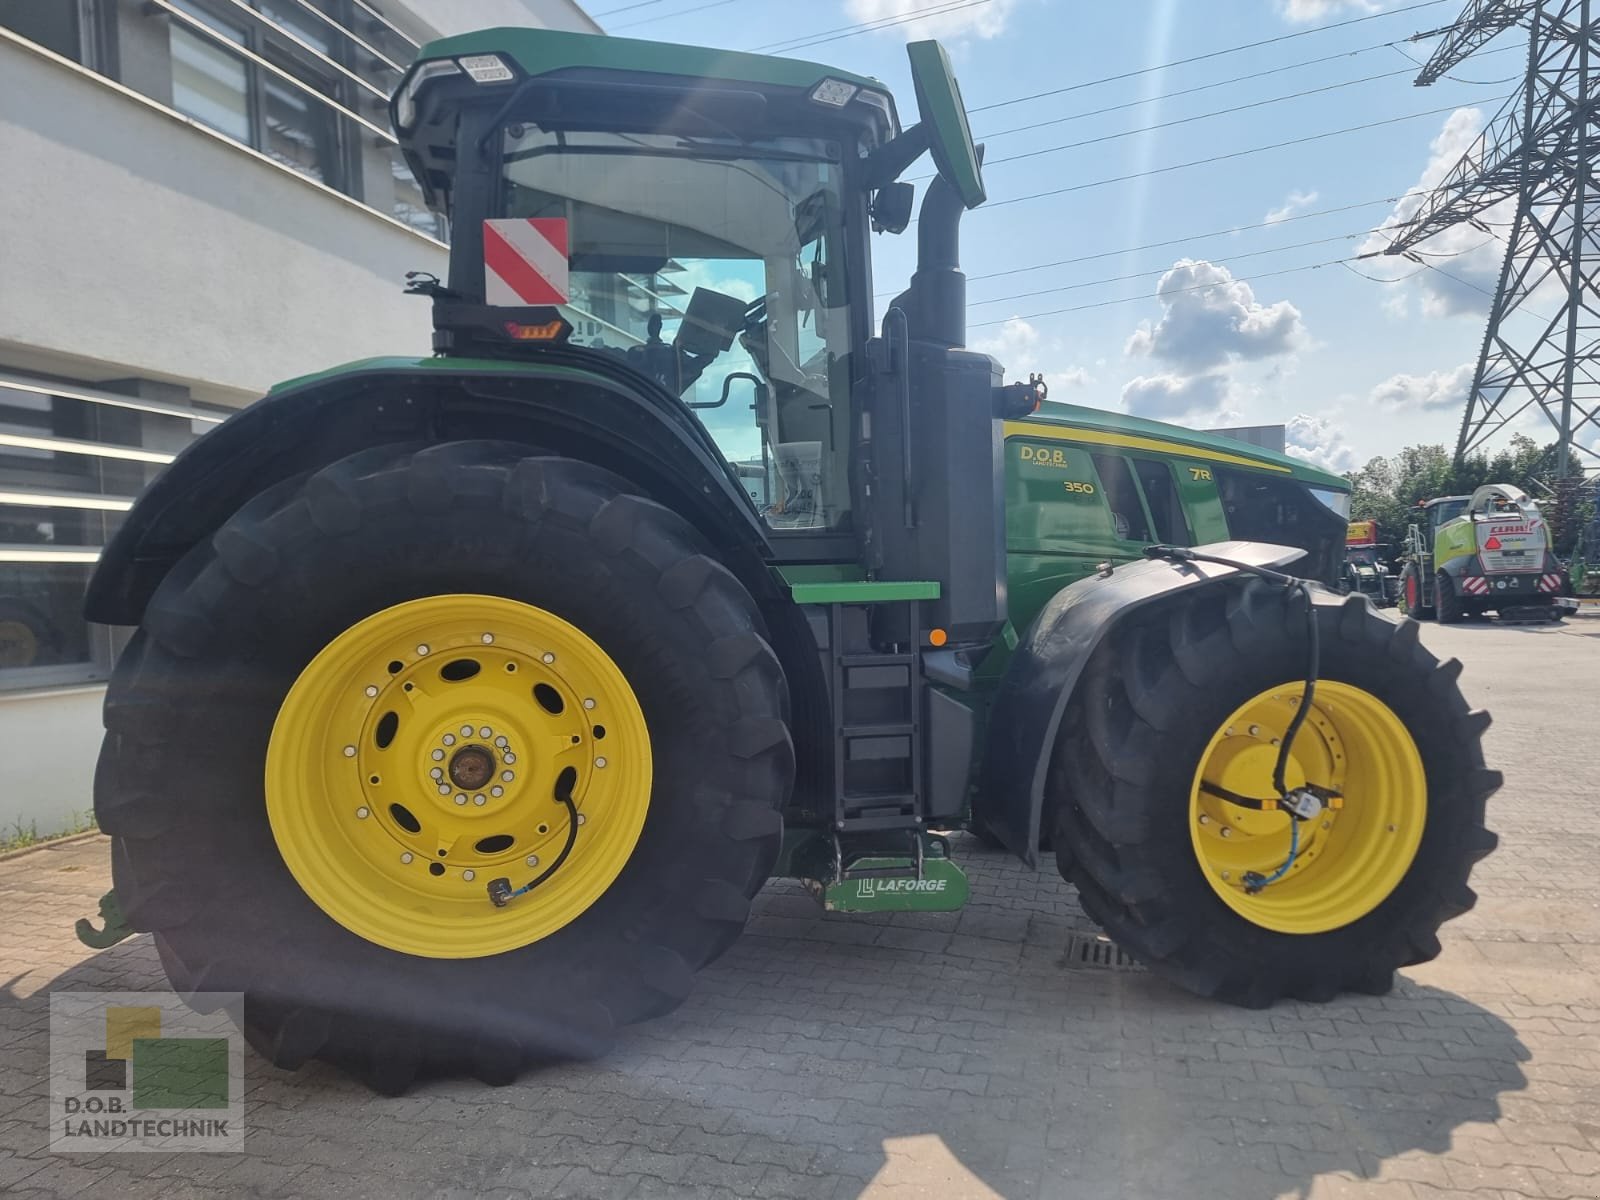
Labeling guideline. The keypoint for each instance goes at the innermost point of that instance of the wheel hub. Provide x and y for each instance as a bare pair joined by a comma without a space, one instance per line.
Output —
471,767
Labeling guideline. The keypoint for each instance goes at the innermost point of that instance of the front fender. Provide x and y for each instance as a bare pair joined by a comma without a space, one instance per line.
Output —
1046,666
583,406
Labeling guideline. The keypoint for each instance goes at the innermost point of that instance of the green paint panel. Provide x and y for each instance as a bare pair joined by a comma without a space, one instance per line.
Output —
543,51
863,592
942,888
1207,445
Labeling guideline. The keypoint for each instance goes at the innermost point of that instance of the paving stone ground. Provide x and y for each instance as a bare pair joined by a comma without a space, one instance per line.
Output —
961,1055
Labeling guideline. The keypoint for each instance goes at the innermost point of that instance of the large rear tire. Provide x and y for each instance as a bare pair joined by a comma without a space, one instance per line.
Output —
1410,600
270,775
1196,693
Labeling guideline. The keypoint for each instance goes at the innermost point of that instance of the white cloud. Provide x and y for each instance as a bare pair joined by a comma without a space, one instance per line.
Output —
1212,318
1294,202
1463,262
1191,398
1319,441
1303,12
985,20
1437,390
1022,350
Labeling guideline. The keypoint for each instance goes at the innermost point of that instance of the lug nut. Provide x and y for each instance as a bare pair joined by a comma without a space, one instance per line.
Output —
437,772
582,818
423,648
549,658
406,857
588,703
444,789
497,791
480,800
533,860
1204,820
466,731
349,751
501,742
510,758
469,876
488,639
449,739
508,776
1226,832
363,812
371,691
600,762
485,732
461,798
438,756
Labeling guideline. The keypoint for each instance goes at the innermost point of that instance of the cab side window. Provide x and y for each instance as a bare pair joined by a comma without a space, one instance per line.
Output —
1122,498
1166,506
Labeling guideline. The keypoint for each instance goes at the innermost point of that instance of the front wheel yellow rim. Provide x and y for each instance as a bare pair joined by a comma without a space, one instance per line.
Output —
1350,858
419,756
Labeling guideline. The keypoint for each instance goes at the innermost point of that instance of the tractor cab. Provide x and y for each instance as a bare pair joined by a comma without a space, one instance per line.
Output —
702,219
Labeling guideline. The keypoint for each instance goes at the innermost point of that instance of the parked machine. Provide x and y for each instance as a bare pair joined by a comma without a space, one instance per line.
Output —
1366,567
474,697
1487,552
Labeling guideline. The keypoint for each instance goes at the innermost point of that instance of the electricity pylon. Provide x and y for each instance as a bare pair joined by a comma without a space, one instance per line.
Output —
1540,149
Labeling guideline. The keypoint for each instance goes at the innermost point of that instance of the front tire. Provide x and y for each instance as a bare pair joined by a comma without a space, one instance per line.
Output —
269,771
1194,694
1452,610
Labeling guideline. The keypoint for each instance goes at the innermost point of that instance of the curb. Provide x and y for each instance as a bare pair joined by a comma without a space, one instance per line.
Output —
65,839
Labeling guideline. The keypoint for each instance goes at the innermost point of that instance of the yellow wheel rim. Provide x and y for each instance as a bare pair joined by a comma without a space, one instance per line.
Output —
1351,857
418,757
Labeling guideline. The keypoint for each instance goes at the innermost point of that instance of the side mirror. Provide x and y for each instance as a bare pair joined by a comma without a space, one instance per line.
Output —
891,207
944,115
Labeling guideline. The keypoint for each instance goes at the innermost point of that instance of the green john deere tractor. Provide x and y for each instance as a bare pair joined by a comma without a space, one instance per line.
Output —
475,696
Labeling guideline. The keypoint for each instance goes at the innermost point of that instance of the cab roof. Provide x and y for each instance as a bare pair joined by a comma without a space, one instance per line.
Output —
1206,445
546,51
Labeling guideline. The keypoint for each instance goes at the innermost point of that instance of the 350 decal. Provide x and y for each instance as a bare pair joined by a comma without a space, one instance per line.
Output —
1078,487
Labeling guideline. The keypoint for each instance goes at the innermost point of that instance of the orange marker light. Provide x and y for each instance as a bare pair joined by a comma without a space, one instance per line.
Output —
937,637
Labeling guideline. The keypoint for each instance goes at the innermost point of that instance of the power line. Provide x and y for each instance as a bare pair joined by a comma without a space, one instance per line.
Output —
611,12
1072,287
848,31
1177,241
1214,158
1220,112
1195,237
682,12
1179,62
1205,87
1054,312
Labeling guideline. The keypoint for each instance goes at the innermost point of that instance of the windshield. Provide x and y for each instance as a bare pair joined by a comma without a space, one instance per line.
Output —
716,267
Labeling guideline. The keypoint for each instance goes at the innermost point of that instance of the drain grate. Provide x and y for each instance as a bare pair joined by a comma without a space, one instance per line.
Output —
1095,950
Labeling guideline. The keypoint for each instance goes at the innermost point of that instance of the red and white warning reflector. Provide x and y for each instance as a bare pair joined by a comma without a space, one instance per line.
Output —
525,261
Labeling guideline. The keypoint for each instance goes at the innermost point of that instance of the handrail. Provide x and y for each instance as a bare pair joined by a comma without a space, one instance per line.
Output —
28,498
352,35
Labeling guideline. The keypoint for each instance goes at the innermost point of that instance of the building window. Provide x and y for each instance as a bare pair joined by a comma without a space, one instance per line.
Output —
72,459
209,83
275,93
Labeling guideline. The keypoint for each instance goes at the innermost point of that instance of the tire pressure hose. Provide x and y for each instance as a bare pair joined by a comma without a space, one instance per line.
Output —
501,892
1303,803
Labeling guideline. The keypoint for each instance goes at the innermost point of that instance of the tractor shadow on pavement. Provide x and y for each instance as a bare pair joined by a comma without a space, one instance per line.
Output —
930,1055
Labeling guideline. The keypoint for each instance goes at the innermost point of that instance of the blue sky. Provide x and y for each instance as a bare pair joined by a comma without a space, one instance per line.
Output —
1357,367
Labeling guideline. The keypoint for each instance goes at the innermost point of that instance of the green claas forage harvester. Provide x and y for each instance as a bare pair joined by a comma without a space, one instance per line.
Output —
474,696
1487,552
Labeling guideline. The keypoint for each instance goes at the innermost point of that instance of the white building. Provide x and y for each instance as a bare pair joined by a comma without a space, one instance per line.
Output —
202,197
